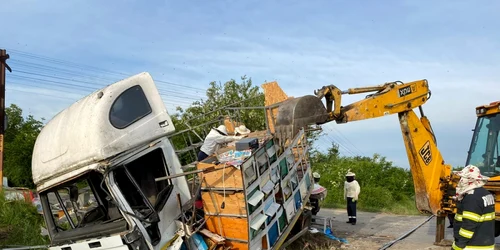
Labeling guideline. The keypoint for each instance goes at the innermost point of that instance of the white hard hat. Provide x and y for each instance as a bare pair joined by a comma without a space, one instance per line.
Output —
316,175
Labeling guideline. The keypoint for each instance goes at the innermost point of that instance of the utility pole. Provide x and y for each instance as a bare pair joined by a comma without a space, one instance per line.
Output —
3,64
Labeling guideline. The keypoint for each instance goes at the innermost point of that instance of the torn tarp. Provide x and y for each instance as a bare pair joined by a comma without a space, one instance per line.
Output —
328,232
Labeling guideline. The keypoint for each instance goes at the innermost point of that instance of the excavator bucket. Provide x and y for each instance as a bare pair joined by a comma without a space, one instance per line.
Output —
296,113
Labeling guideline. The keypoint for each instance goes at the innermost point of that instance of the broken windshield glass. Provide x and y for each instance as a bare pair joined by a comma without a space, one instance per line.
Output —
146,197
79,208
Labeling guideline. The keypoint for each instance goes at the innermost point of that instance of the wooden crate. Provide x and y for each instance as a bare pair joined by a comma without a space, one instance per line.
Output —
234,203
230,227
220,179
235,245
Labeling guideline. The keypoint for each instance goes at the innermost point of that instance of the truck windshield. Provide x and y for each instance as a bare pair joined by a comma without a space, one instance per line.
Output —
80,209
484,152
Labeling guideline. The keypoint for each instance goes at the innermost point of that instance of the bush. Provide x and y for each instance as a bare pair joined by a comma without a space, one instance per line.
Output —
20,224
384,187
376,198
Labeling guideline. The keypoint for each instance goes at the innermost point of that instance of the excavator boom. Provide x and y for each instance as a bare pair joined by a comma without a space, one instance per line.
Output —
432,179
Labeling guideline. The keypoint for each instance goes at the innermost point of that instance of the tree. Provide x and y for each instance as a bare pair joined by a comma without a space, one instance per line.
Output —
229,94
20,137
220,99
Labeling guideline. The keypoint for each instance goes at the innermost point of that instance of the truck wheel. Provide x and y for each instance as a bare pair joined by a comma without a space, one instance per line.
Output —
497,228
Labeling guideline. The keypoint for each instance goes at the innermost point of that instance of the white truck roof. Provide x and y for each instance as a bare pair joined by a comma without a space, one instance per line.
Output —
109,121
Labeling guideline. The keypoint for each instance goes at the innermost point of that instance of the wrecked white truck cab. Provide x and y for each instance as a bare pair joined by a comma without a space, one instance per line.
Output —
95,164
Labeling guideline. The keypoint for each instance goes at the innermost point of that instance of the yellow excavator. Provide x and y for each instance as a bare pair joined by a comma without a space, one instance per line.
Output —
434,180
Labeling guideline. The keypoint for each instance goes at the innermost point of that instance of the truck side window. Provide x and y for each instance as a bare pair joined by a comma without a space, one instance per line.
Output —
130,106
142,172
146,197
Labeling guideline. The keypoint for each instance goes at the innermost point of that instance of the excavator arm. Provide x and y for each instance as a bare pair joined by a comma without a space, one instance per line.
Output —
431,175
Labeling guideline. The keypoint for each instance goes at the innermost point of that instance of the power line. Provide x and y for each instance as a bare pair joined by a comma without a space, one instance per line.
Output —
63,62
185,95
41,94
63,96
334,141
56,77
358,152
83,87
46,68
346,139
91,68
61,84
342,145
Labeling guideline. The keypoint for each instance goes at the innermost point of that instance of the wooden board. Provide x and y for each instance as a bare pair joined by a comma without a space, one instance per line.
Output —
231,125
234,204
272,94
237,245
234,228
228,178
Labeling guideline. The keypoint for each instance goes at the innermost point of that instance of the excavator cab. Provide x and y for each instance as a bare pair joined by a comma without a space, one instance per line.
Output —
484,151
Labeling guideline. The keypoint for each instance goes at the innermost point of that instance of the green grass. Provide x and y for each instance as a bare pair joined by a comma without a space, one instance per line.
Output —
403,207
20,224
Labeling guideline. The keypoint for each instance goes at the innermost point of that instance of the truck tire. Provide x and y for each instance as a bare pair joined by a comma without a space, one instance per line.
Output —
497,228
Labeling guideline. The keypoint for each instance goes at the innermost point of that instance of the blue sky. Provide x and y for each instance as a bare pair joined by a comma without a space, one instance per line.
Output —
304,45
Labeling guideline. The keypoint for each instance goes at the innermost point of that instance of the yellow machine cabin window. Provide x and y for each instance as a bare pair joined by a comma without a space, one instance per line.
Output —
484,151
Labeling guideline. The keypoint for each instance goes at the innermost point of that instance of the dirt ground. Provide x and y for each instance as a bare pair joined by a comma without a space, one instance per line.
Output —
374,230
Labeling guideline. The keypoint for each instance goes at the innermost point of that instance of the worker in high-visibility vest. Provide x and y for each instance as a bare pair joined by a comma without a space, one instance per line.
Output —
474,226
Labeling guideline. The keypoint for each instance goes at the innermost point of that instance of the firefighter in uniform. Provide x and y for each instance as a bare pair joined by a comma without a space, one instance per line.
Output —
351,192
474,224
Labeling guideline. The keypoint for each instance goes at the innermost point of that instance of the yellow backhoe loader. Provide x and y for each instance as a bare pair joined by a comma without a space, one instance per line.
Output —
433,178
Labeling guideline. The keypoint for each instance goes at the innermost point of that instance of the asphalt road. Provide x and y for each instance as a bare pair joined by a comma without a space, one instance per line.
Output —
374,230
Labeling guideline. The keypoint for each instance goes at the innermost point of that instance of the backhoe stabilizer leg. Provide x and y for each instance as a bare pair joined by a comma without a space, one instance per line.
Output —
440,229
